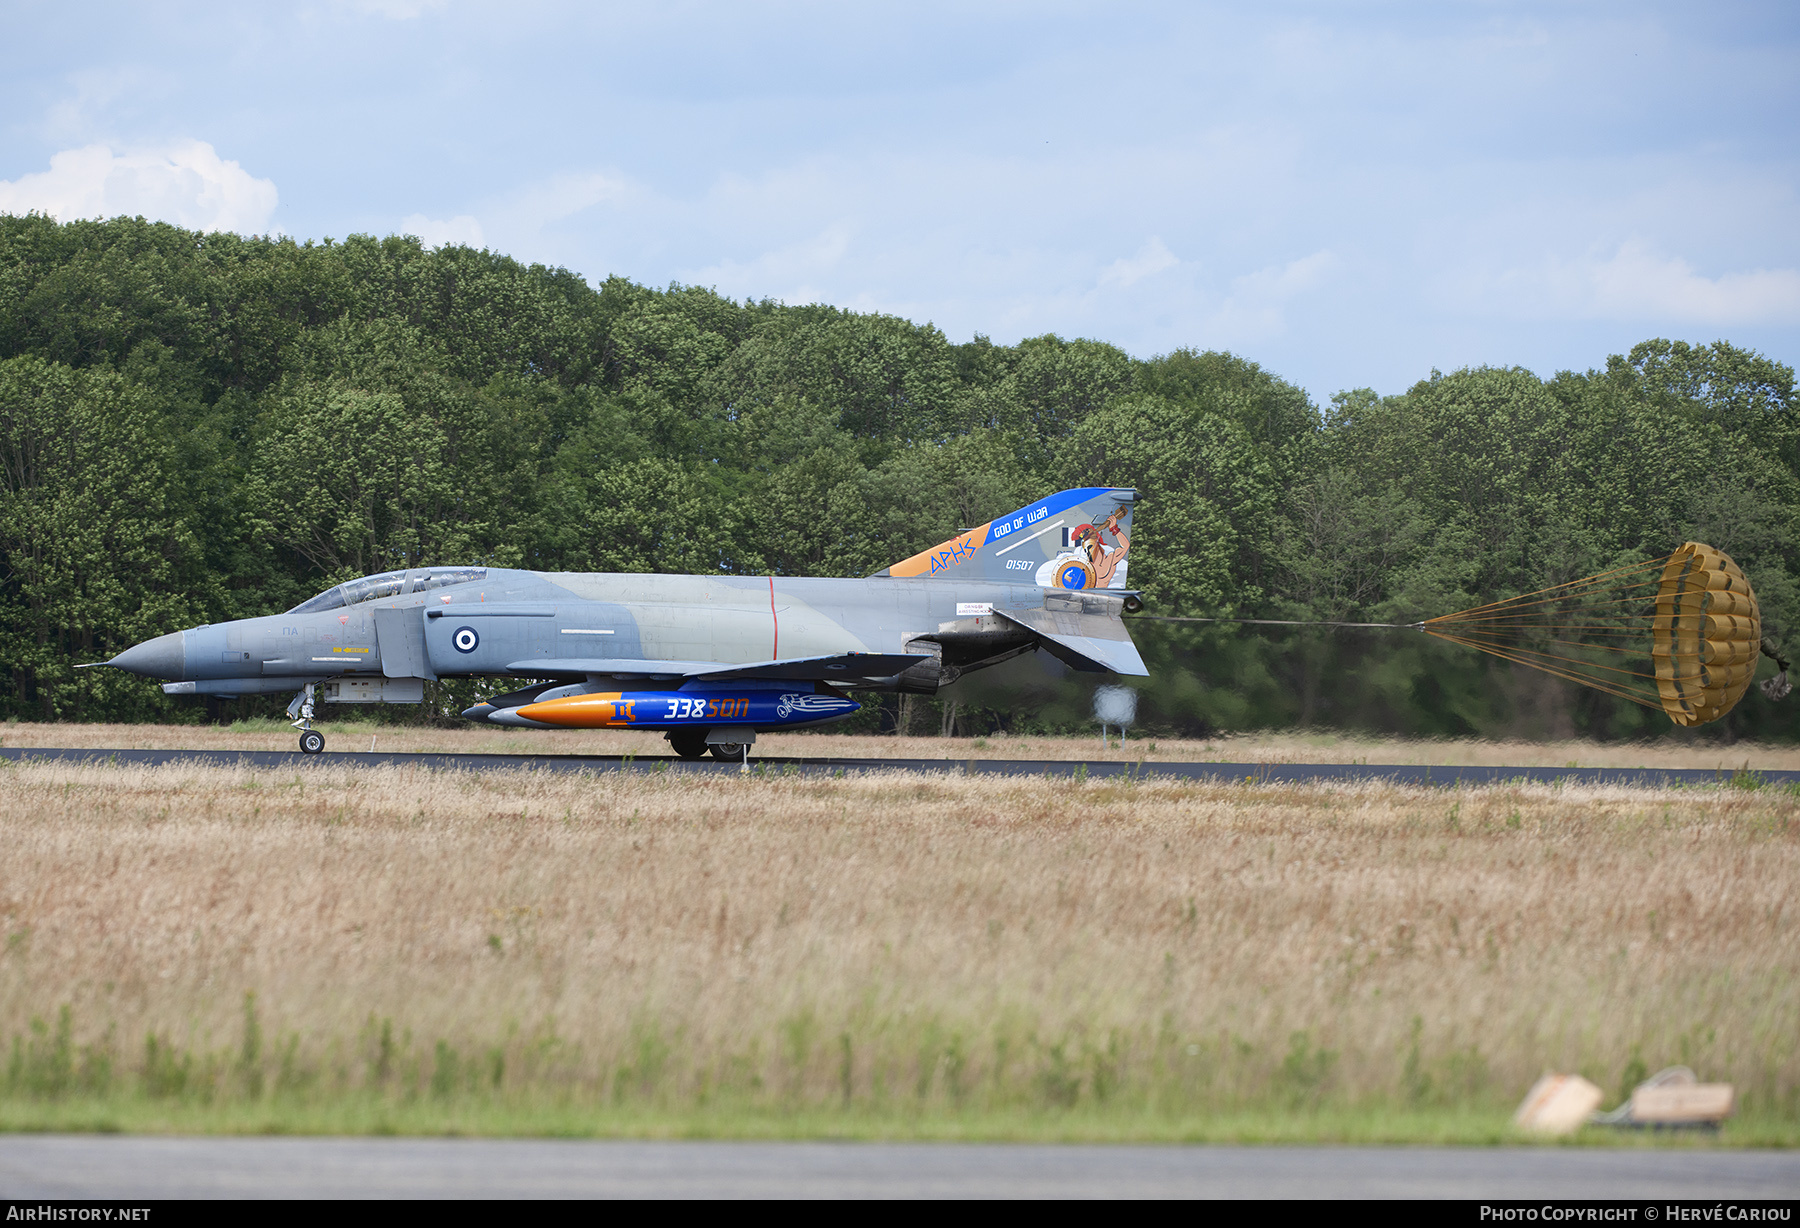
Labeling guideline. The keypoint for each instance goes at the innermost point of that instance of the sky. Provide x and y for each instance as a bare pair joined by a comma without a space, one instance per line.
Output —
1350,194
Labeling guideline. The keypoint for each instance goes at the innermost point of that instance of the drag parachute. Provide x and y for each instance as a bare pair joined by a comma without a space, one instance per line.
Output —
1681,633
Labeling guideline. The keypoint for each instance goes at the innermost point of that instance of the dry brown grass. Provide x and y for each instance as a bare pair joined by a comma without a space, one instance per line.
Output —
912,938
1674,752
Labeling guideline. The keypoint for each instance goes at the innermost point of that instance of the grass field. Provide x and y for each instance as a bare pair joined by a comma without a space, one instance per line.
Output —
393,949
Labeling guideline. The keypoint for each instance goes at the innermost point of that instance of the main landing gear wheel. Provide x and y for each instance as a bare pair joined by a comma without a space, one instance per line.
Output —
688,743
312,742
730,752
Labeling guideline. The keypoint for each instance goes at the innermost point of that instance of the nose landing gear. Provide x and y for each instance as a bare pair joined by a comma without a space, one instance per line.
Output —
300,713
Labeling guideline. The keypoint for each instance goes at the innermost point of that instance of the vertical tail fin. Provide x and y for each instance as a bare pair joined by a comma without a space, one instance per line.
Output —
1076,539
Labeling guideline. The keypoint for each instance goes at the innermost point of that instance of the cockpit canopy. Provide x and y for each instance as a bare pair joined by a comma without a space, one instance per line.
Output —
388,584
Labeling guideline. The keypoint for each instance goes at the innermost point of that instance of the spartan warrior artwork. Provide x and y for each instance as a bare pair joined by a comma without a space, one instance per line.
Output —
1090,562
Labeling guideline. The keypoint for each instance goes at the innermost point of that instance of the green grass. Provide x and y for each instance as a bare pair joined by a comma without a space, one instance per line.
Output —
383,1082
363,1114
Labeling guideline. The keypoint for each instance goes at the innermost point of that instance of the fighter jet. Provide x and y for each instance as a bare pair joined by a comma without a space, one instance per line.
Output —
710,661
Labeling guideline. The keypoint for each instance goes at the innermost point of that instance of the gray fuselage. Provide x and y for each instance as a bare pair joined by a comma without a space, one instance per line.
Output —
521,617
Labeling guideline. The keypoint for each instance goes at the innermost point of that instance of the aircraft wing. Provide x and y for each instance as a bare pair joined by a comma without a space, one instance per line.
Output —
824,669
838,667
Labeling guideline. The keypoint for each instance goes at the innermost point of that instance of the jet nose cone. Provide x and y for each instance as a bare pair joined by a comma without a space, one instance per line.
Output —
162,657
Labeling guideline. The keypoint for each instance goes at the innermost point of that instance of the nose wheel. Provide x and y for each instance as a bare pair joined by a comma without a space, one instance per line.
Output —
300,713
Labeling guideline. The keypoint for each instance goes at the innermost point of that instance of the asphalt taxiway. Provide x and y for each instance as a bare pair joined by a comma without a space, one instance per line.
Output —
1392,773
113,1167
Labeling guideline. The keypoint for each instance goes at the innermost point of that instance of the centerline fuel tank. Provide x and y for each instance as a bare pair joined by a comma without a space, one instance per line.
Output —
763,707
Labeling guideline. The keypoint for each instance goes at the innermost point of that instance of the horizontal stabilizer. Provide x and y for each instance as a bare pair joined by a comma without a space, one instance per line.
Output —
839,667
1088,639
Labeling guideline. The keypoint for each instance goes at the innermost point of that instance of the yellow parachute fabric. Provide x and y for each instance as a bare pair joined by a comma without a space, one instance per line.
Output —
1706,637
1682,633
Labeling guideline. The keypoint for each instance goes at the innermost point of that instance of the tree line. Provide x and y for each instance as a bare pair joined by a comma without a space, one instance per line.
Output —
196,427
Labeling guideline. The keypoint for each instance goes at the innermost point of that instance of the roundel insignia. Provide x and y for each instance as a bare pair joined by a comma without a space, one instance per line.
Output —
1074,575
464,639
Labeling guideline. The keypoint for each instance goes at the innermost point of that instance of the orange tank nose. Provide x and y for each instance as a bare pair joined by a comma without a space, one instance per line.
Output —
601,711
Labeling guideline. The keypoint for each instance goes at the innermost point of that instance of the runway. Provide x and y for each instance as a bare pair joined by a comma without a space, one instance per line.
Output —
1392,773
111,1167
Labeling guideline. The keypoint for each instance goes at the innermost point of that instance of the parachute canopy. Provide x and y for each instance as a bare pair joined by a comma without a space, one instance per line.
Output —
1681,633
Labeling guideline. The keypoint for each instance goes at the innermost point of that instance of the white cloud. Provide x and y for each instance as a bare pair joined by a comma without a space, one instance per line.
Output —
534,220
1638,283
1152,258
1255,307
1279,282
436,232
81,116
396,10
186,183
796,273
564,196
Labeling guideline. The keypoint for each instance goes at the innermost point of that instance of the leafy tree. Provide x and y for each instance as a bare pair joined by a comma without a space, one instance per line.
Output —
643,514
1204,548
96,555
380,461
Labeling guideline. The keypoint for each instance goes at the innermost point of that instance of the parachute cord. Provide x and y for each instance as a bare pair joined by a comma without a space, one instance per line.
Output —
1584,582
1271,622
1517,656
1640,614
1527,656
1538,619
1610,686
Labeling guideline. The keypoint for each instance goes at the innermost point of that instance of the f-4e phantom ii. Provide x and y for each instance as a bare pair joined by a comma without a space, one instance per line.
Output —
708,660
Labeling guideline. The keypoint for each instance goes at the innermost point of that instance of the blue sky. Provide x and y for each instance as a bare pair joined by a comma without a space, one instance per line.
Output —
1350,194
